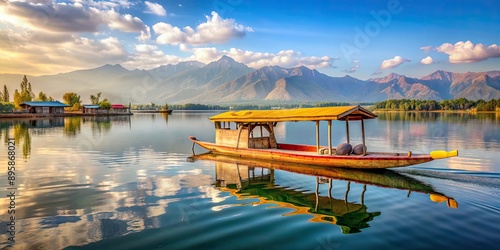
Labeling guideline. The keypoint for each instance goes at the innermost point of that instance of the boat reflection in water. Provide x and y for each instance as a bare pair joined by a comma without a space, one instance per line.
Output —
247,178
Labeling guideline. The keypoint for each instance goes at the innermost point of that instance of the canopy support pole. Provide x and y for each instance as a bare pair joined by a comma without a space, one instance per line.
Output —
317,137
363,135
239,133
330,137
347,128
363,195
317,194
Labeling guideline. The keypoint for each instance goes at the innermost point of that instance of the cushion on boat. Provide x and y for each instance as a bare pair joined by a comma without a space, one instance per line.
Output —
344,149
358,149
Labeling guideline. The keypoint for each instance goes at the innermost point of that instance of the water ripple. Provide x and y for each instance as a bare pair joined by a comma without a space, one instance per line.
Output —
477,178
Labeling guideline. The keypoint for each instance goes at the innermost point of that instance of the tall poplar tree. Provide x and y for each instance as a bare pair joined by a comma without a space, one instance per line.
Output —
17,99
27,94
6,94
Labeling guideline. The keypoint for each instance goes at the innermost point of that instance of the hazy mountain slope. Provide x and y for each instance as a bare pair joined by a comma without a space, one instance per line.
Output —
482,87
198,81
296,88
166,71
227,81
275,83
253,86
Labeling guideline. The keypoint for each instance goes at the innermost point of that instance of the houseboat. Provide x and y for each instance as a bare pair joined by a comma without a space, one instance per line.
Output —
252,135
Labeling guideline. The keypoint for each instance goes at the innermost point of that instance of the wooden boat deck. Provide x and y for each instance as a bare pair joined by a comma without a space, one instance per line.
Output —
327,155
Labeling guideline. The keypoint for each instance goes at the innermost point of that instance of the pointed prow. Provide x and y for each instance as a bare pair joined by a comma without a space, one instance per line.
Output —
440,154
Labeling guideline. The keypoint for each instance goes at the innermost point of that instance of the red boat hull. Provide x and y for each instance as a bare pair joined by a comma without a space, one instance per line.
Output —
306,154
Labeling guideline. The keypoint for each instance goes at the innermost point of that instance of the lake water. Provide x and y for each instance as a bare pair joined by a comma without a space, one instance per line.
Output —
130,183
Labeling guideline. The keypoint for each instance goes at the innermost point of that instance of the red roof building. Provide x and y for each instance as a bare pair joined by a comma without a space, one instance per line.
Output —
119,108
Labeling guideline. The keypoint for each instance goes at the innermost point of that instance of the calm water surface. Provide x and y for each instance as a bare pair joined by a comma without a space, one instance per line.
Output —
130,183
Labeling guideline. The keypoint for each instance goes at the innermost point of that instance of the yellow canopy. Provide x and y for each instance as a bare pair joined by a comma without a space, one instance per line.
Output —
301,114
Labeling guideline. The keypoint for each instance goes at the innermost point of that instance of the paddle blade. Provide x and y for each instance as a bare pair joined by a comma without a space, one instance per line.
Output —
439,154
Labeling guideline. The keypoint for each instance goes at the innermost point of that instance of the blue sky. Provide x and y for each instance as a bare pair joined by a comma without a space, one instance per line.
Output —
363,39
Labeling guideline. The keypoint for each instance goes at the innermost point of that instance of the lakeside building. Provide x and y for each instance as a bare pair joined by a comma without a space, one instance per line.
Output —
53,107
119,108
114,109
91,109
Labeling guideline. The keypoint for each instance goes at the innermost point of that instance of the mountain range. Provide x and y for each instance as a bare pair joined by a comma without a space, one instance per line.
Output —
227,81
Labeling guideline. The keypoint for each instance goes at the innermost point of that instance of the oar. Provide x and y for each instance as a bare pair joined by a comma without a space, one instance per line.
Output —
439,154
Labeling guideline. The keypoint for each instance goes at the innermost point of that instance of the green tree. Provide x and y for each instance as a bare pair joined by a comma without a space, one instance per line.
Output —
105,104
73,100
27,94
95,98
6,107
42,97
17,99
6,95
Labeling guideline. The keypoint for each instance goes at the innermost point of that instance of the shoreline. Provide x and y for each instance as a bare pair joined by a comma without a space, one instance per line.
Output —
138,111
31,115
438,111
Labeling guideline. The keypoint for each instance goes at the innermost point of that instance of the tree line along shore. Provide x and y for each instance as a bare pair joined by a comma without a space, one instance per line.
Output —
460,104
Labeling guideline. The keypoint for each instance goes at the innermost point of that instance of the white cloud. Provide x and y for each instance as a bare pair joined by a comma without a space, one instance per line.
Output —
125,22
392,63
214,30
111,4
467,52
45,39
206,55
56,53
426,49
145,35
184,47
169,34
69,18
427,60
155,8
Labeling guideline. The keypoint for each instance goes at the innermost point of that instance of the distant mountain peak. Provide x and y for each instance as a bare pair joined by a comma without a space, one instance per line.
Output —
112,66
226,62
439,75
388,78
107,68
226,59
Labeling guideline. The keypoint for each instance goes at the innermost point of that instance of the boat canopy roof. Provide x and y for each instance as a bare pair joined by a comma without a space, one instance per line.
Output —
301,114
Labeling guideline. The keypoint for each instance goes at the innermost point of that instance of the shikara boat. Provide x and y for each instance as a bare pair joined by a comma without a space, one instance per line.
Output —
253,136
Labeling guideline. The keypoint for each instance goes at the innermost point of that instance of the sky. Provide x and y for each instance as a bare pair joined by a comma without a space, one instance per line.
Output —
363,39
